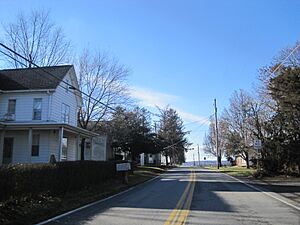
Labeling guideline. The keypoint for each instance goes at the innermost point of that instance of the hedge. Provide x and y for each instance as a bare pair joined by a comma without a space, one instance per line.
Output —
34,179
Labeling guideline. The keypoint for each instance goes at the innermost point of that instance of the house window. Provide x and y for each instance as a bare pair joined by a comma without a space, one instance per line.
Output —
11,110
35,148
65,113
64,149
37,109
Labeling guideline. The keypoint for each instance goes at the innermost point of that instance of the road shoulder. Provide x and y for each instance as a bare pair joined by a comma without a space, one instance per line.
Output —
284,189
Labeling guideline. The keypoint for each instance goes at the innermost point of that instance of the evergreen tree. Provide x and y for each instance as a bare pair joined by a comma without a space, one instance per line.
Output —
131,132
172,135
284,126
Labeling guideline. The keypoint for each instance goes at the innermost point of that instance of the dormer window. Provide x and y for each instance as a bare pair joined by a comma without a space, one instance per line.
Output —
37,109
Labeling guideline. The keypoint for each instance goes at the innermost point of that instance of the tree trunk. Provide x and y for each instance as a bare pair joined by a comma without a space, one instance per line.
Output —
247,160
82,149
167,163
220,161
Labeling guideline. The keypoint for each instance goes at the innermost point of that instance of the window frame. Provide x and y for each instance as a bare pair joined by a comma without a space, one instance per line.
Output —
9,111
36,110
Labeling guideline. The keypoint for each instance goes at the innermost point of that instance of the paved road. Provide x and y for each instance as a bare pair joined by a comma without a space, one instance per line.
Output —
183,196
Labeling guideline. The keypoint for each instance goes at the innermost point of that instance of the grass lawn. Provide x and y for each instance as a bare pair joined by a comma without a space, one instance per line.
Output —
29,210
235,171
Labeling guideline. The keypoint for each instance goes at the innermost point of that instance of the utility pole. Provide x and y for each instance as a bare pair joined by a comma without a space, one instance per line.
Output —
217,133
198,155
194,159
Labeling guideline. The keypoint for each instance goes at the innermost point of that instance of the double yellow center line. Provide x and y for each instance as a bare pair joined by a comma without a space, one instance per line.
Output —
181,211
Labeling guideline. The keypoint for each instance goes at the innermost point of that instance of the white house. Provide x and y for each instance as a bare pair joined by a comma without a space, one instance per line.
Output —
38,116
150,159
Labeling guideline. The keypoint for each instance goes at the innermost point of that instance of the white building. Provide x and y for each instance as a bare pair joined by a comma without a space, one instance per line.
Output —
38,117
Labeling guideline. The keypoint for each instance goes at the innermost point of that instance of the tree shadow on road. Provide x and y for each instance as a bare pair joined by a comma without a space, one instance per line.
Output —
163,194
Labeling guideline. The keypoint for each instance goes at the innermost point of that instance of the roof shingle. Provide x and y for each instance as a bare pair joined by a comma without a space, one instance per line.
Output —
32,78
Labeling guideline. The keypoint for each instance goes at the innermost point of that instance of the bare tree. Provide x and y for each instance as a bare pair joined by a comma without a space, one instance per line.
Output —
104,81
237,118
287,57
210,139
36,38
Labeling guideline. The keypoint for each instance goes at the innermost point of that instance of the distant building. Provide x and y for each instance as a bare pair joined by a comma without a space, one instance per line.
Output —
150,159
239,161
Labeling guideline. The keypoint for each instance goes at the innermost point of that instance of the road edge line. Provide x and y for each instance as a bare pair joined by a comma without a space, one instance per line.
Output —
96,202
264,192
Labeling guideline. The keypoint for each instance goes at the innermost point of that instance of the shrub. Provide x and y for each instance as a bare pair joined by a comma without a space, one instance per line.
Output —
59,178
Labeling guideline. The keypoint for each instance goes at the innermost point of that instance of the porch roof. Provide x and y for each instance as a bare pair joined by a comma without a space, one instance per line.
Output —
46,126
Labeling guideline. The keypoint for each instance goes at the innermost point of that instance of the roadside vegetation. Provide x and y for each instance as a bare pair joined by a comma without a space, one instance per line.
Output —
33,201
236,171
269,113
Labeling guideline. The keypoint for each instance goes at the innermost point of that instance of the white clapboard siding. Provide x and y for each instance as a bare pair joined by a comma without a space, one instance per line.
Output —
54,143
64,95
21,152
71,154
44,148
20,146
24,104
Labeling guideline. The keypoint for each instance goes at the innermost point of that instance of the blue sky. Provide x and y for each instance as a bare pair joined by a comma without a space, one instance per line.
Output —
181,53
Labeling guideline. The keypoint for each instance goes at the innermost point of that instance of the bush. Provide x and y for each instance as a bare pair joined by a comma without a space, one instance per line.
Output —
59,178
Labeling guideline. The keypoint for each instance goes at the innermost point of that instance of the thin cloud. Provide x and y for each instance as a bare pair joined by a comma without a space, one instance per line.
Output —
192,117
153,99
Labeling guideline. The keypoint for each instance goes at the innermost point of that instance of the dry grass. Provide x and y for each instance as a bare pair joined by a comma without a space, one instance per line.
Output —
235,171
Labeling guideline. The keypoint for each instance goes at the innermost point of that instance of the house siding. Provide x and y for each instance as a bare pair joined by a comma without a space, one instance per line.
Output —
21,153
44,148
54,143
24,105
60,97
72,151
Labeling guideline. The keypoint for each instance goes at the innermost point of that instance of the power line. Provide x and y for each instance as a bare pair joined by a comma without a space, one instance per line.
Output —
37,72
283,61
69,85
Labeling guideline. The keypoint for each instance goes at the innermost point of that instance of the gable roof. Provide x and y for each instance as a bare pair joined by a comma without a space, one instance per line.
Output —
32,78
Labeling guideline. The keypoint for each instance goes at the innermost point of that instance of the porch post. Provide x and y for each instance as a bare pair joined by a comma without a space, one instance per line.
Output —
77,147
60,138
29,144
2,133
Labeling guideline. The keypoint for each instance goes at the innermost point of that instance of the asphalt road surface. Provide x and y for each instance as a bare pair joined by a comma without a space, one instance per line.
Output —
187,196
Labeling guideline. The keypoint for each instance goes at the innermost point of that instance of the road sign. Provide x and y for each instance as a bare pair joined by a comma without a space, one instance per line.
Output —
123,167
257,144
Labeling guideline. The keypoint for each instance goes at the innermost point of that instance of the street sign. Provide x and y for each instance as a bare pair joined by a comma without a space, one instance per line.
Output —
257,144
123,167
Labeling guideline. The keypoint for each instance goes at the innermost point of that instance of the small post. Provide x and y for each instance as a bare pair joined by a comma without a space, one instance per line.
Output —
125,177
